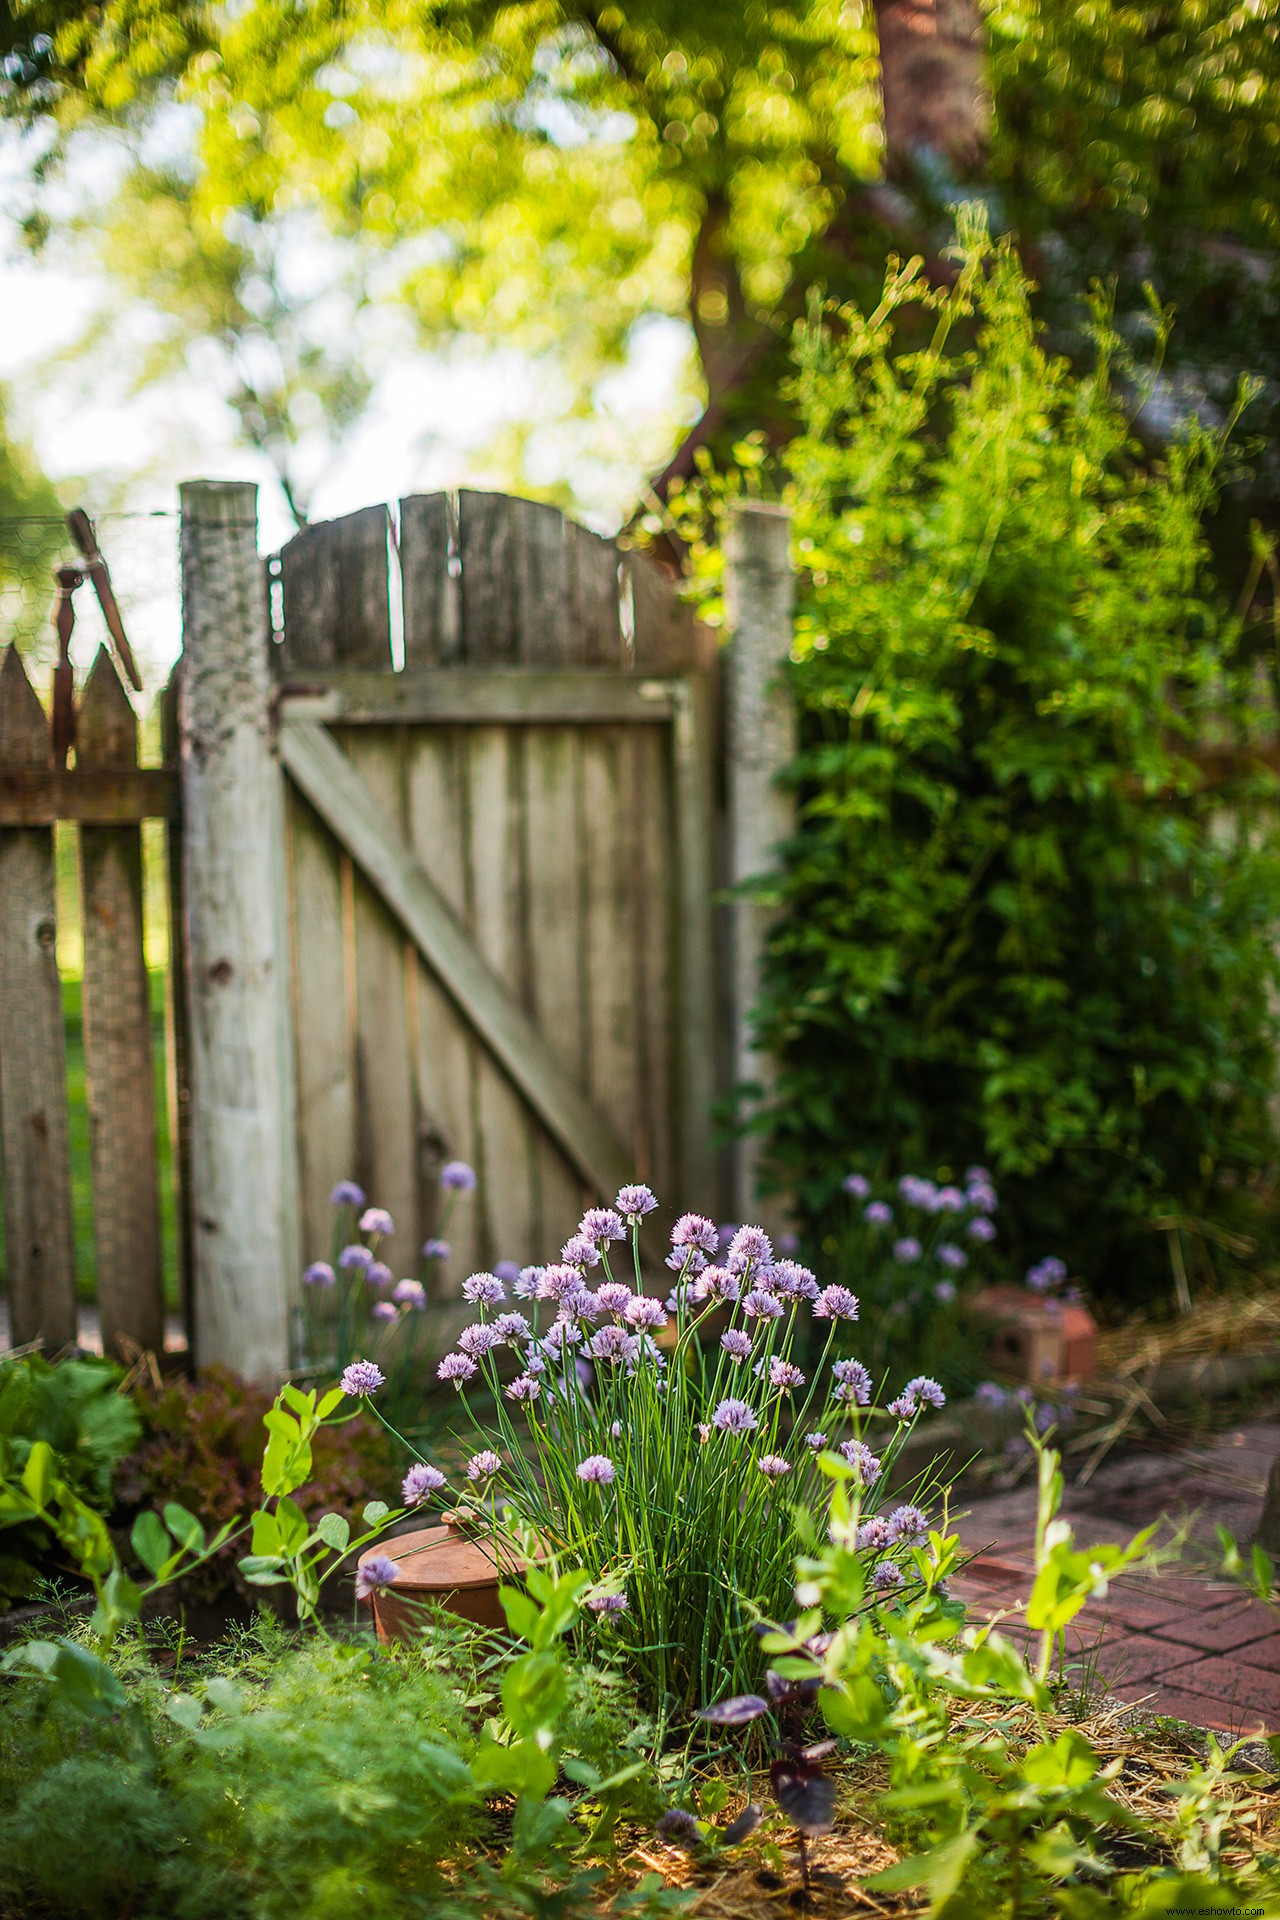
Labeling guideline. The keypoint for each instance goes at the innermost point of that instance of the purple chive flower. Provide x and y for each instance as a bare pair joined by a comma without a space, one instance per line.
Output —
815,1441
526,1287
362,1377
410,1293
950,1200
873,1535
378,1274
376,1220
977,1176
580,1252
458,1367
561,1334
457,1176
716,1283
420,1483
981,1229
483,1465
644,1313
580,1304
789,1243
951,1256
792,1281
601,1225
511,1328
856,1185
612,1344
945,1291
862,1460
917,1393
784,1376
878,1214
918,1193
1044,1417
907,1523
760,1305
525,1387
678,1829
352,1258
383,1310
853,1382
906,1250
736,1344
733,1416
483,1290
836,1303
375,1575
608,1605
508,1271
634,1202
347,1194
614,1297
697,1234
1047,1274
436,1249
773,1465
597,1470
750,1246
557,1282
319,1274
990,1395
887,1575
477,1340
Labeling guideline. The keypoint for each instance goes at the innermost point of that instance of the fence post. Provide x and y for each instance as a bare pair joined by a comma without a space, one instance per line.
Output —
39,1238
243,1199
760,742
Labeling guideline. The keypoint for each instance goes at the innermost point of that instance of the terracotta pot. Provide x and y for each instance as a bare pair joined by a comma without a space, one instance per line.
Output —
441,1564
1049,1341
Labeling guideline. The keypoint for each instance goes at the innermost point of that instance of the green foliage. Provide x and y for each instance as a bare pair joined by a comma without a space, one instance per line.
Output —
69,1418
1018,927
203,1447
995,1811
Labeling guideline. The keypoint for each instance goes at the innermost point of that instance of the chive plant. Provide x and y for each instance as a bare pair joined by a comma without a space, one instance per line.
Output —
663,1443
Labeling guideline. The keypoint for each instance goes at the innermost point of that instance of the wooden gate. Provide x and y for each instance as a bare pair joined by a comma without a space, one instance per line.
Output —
500,860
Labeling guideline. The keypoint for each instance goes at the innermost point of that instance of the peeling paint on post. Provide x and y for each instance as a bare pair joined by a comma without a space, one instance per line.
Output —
243,1185
760,742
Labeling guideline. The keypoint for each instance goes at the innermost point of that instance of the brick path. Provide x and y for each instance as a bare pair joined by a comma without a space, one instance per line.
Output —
1181,1642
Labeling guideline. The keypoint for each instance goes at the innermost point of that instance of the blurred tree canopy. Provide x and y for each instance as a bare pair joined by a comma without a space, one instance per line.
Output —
552,174
31,535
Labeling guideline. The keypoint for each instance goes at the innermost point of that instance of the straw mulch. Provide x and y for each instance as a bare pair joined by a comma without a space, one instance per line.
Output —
764,1878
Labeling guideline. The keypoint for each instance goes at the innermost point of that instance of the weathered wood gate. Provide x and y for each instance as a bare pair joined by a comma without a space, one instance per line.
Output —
454,811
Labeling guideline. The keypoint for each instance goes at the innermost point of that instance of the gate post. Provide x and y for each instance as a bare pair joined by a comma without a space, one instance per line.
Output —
243,1185
760,743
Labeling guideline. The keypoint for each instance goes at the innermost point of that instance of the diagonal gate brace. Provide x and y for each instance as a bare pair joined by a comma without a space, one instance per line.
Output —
323,773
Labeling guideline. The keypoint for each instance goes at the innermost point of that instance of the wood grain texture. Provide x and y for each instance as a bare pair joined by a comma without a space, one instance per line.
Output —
328,779
242,1105
95,796
594,587
176,1039
490,603
429,574
117,1038
39,1238
322,996
337,597
667,638
481,696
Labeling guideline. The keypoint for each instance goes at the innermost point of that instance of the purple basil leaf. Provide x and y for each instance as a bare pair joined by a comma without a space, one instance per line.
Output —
820,1752
805,1795
735,1712
746,1823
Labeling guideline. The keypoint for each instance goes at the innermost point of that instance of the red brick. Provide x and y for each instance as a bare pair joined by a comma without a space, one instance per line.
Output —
1241,1691
1200,1709
1221,1628
1264,1653
1133,1659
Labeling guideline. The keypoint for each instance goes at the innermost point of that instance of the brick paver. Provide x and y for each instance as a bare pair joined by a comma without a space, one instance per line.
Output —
1180,1644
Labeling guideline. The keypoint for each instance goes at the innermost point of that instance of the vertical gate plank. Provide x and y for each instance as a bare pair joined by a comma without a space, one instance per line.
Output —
497,890
39,1238
176,1044
609,931
387,1114
322,996
651,862
667,637
541,568
117,1037
490,621
593,598
432,598
337,595
446,1055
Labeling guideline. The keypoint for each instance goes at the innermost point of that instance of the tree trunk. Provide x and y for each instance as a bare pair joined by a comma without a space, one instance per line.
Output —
932,83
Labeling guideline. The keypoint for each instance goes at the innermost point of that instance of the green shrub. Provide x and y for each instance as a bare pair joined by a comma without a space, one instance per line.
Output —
1018,929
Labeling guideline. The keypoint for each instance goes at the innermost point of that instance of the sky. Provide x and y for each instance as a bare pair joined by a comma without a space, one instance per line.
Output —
431,422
